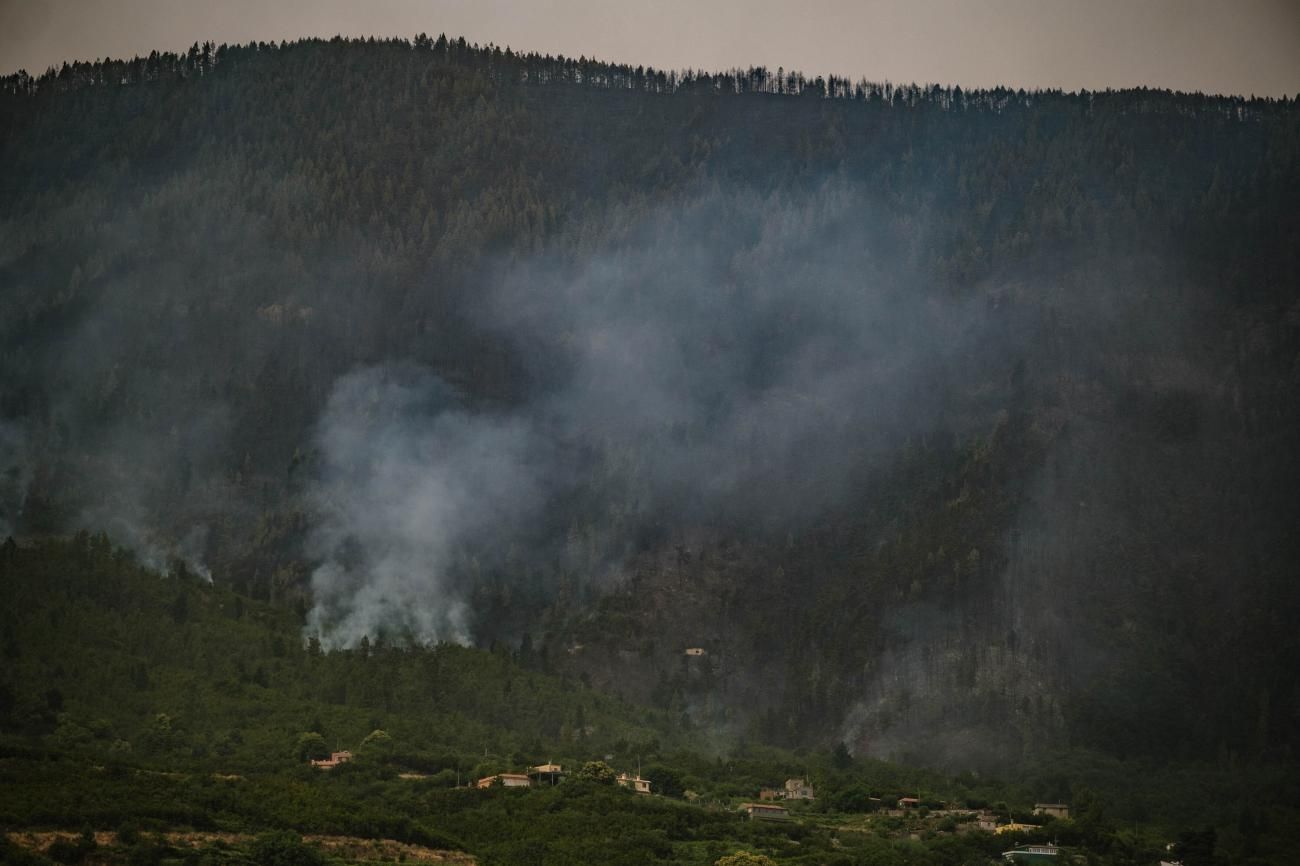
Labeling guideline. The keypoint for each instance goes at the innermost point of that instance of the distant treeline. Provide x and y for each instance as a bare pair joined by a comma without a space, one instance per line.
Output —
506,65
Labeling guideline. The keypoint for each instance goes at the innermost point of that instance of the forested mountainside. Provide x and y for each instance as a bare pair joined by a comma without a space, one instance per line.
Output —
956,426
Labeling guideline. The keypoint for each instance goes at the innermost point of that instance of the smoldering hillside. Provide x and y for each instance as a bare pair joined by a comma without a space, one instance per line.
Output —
950,425
736,361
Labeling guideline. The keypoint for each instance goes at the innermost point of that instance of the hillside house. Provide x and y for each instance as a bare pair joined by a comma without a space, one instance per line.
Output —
506,780
333,760
1054,810
988,821
909,802
765,811
636,783
769,794
798,789
546,774
1033,854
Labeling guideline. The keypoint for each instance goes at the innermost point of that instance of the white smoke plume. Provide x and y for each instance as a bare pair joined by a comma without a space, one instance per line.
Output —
409,475
739,359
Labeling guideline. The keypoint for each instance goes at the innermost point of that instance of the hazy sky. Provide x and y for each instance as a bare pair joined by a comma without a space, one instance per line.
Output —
1230,46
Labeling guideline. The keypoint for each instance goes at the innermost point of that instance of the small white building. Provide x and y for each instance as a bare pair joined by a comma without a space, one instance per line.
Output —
798,789
636,783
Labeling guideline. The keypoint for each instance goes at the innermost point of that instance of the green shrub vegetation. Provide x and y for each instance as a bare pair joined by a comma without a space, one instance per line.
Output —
117,716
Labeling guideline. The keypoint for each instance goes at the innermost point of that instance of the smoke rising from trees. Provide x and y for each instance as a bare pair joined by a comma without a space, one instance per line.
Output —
409,479
741,360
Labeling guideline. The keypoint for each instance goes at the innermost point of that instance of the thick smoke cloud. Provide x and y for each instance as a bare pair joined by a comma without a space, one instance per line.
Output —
741,359
409,477
1127,406
744,337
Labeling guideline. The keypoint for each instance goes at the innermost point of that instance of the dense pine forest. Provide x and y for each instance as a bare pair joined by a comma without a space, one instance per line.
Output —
455,393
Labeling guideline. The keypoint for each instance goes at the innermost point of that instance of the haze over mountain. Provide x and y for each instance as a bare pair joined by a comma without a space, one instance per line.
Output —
953,425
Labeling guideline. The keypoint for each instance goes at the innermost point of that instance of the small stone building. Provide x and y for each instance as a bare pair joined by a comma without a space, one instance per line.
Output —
798,789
